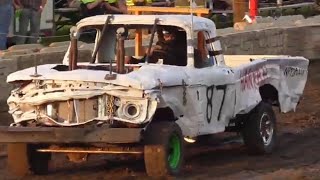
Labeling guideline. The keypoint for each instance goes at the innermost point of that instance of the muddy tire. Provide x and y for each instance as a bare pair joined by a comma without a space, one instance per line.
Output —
23,159
164,149
259,131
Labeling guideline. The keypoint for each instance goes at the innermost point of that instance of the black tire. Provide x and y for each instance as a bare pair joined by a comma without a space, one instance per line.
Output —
159,138
23,159
258,139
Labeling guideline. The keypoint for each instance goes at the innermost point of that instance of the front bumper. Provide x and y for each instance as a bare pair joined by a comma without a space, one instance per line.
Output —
69,135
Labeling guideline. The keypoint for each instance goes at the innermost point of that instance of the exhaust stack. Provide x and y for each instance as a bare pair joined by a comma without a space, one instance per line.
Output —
120,51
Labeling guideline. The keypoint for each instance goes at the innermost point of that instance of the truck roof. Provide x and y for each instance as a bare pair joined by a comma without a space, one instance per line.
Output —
182,21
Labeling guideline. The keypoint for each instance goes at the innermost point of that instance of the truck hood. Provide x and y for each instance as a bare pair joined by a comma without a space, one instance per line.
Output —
146,77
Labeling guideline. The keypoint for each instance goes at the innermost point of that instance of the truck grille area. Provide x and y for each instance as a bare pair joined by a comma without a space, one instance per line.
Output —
80,111
72,103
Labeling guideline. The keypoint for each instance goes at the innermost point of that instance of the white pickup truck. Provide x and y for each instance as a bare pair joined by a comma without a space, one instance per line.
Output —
102,105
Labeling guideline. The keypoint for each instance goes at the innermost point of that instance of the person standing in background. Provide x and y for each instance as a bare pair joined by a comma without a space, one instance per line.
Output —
6,11
92,7
99,7
116,7
30,13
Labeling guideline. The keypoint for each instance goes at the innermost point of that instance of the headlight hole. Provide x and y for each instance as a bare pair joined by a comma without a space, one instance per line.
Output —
131,111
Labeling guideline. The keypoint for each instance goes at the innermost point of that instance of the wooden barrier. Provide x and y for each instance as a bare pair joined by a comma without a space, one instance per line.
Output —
177,10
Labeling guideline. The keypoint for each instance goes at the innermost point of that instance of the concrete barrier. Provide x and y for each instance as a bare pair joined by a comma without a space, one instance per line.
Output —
302,40
8,53
34,47
64,43
55,49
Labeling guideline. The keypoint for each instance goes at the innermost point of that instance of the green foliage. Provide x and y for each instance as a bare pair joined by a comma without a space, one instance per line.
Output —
306,11
61,35
222,21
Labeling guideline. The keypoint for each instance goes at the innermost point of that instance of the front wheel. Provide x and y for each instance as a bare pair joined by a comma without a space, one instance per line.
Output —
164,149
259,131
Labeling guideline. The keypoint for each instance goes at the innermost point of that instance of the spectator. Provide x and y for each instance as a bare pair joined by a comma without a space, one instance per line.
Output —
73,4
92,7
60,3
222,4
30,13
116,7
6,11
99,7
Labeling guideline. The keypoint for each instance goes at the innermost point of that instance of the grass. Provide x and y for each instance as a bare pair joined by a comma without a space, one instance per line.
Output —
62,32
63,35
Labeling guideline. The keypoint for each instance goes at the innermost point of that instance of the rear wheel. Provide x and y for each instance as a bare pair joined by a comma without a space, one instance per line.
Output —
164,149
259,132
24,159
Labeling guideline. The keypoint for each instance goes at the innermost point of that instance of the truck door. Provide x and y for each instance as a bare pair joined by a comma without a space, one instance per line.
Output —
216,99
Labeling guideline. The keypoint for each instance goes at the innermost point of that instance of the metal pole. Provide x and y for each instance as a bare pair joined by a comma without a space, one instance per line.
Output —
73,56
191,15
35,66
154,29
120,54
103,32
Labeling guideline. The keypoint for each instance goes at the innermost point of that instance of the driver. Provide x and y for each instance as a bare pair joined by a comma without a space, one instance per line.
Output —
170,47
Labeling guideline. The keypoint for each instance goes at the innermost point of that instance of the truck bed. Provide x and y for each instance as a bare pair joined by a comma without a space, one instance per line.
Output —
238,60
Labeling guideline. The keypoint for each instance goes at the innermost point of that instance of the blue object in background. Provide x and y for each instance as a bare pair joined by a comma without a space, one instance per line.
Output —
6,11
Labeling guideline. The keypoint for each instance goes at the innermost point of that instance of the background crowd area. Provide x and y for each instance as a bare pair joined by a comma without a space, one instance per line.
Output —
28,14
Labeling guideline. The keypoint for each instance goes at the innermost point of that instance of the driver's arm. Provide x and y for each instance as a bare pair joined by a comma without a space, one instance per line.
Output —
153,48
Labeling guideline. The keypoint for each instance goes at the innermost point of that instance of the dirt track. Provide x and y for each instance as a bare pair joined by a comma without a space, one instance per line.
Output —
297,156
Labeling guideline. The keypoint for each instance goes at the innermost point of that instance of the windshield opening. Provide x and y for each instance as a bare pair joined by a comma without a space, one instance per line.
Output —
169,46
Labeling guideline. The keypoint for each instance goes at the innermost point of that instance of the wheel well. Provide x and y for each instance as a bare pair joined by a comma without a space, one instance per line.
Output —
164,114
269,94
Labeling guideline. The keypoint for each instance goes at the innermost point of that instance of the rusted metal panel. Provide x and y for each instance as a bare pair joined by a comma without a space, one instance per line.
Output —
73,54
120,55
69,135
76,110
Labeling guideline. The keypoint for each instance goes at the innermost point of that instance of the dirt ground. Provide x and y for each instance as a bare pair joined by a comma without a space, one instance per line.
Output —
297,156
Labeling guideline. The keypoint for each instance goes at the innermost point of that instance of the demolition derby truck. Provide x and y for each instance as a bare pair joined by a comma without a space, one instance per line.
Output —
103,105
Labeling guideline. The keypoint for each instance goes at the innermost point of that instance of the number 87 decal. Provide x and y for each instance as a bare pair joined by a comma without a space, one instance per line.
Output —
210,92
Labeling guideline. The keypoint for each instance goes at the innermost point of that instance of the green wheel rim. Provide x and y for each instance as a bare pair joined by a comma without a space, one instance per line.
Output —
174,151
